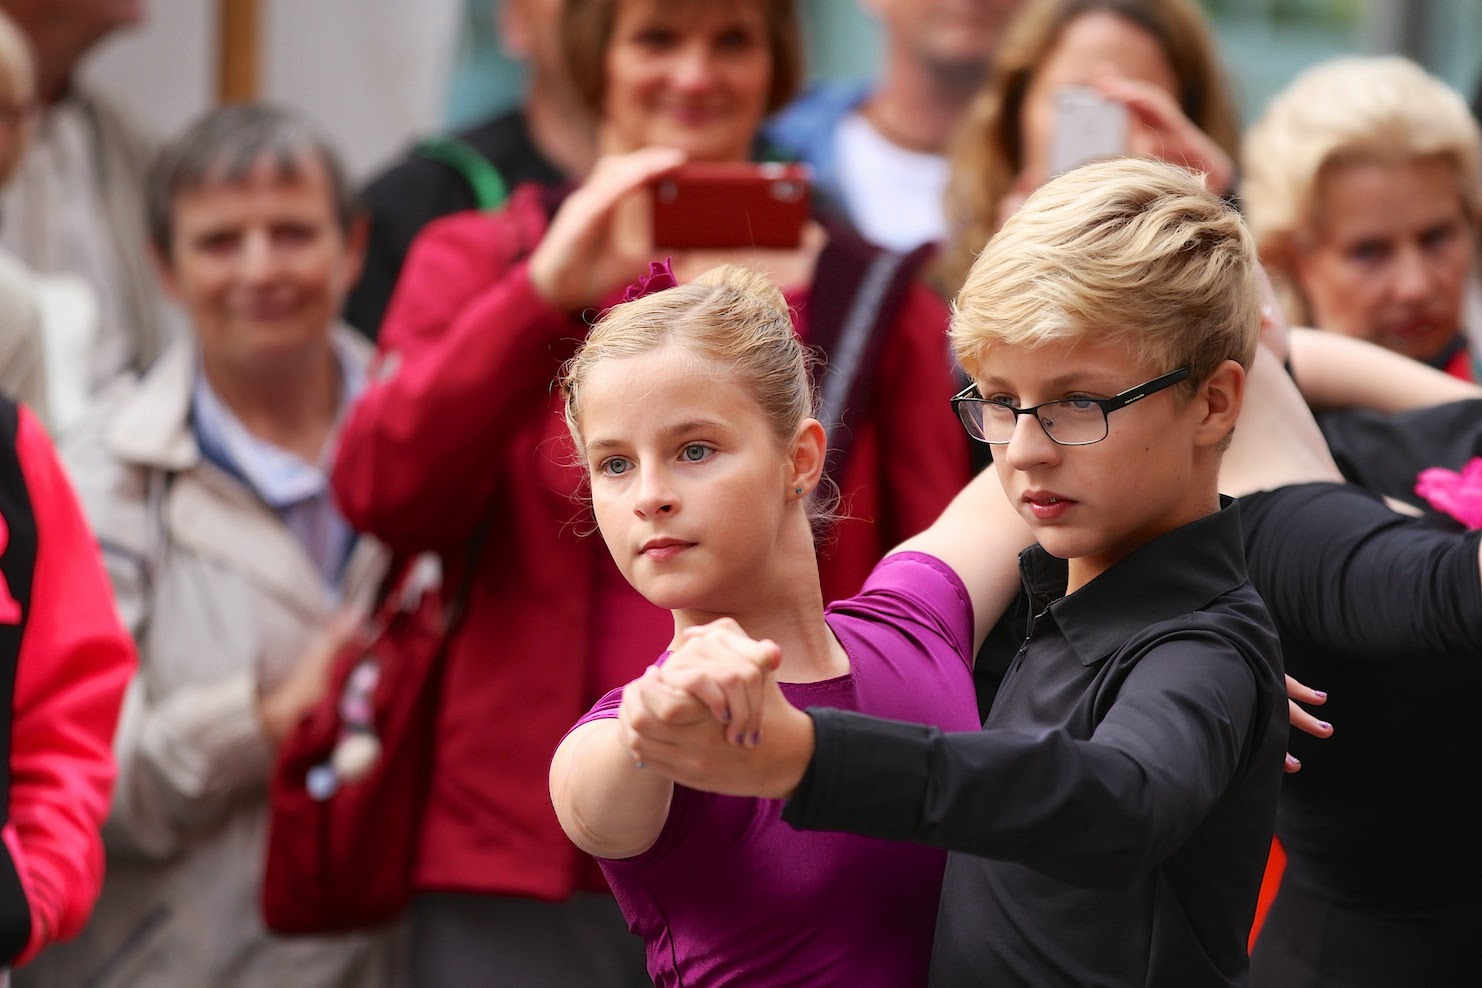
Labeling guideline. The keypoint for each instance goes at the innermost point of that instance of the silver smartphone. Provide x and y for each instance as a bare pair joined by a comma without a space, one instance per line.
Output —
1088,127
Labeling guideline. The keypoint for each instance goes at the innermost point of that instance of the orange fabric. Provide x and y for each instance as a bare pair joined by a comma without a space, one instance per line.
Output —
1275,865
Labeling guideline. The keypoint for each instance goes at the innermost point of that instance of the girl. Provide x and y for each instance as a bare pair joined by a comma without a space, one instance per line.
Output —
691,410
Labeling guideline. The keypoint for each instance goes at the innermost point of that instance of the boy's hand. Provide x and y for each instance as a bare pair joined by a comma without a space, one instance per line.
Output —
669,731
1301,719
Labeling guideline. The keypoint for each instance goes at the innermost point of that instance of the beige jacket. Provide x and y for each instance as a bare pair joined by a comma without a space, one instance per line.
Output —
22,370
222,599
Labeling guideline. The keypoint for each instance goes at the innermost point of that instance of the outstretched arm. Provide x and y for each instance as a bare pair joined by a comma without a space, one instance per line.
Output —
1336,371
608,800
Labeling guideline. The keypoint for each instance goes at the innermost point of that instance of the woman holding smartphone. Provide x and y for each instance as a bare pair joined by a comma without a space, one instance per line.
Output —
461,428
1152,63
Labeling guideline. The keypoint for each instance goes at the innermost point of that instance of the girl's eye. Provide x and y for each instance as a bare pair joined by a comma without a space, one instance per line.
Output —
614,466
1004,400
1079,402
695,452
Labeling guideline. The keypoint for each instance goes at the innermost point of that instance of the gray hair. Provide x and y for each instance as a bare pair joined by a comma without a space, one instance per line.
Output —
224,145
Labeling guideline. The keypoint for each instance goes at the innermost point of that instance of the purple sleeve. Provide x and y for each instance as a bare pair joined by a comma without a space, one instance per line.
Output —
914,591
607,707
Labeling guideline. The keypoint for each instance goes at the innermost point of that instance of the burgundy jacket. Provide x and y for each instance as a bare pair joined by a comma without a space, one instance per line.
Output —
461,420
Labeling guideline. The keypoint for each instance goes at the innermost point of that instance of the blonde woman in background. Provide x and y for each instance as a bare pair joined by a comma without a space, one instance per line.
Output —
1363,183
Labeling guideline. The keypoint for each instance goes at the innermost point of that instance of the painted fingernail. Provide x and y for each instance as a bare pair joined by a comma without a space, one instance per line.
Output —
1293,761
1320,694
725,717
756,738
1325,725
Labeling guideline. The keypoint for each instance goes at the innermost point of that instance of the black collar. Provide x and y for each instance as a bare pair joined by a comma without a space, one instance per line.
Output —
1178,572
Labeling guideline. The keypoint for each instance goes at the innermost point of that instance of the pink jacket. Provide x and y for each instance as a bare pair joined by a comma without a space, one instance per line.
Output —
71,661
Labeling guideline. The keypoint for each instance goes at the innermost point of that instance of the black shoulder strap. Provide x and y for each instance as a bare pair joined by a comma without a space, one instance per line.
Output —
18,543
489,188
856,294
17,570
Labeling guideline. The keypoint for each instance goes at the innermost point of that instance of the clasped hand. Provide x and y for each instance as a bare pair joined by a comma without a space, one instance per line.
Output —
713,717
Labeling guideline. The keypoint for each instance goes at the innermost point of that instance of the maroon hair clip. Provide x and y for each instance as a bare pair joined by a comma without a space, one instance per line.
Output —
660,276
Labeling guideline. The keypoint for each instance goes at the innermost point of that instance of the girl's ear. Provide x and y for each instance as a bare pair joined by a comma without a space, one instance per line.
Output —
805,462
1222,394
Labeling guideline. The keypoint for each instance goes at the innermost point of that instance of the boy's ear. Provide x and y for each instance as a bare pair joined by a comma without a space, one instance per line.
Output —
805,464
1222,394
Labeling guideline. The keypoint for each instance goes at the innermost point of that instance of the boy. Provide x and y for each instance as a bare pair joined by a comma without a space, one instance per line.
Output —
1110,823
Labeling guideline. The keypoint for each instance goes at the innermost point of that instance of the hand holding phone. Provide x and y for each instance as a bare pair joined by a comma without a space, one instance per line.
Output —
728,205
1089,126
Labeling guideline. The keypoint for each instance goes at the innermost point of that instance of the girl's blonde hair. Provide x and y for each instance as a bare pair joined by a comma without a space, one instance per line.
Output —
1131,251
1370,110
733,317
730,315
988,150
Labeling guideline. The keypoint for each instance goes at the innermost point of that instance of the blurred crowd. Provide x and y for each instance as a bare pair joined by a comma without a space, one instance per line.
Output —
268,388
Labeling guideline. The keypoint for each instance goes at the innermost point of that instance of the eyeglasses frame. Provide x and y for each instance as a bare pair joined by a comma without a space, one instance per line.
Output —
1108,405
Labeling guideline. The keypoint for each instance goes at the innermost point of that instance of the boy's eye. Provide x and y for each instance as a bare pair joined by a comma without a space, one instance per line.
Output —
1079,402
695,452
614,466
1003,400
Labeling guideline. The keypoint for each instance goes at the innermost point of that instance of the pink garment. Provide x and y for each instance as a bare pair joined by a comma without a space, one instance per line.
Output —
1457,494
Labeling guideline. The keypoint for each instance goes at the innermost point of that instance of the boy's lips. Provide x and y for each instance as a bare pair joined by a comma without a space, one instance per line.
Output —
1047,505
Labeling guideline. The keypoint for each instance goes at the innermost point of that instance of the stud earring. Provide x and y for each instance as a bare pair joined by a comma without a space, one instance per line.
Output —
798,490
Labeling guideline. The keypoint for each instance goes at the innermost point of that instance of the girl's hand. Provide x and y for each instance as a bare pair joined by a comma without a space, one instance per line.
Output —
726,670
1301,719
1159,129
668,732
599,239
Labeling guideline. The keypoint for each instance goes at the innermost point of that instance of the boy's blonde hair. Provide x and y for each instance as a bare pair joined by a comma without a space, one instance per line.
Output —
1370,110
730,315
1128,250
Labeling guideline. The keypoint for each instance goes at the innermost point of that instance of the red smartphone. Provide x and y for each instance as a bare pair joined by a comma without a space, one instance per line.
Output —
735,204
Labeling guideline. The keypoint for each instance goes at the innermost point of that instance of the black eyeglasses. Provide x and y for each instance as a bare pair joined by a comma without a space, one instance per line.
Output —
1067,421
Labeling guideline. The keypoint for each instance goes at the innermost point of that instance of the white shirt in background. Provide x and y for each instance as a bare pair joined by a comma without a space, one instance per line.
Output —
893,195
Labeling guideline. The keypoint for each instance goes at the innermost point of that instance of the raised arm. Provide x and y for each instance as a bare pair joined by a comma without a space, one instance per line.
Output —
471,343
1336,371
980,536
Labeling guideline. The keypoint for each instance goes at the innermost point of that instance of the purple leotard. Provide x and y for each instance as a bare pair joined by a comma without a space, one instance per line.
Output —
730,895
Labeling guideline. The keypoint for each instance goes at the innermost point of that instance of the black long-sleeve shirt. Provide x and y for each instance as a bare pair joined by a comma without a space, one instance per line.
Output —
1384,612
1110,823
